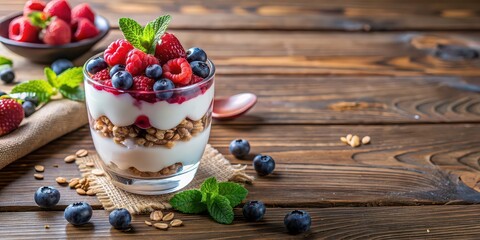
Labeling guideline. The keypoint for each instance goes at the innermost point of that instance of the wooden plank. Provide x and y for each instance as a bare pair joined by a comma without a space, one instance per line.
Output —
419,222
404,165
356,15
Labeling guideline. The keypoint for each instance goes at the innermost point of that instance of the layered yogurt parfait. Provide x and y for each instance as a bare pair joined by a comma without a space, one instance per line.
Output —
149,103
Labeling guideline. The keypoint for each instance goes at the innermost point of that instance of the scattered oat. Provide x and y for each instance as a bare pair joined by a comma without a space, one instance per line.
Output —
355,142
80,191
148,223
97,172
428,230
169,216
90,164
366,140
176,223
61,180
47,226
39,168
162,226
38,176
156,215
70,158
55,165
344,140
81,153
349,137
73,182
91,192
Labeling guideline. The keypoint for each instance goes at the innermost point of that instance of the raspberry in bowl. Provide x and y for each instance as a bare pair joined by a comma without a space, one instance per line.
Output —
149,110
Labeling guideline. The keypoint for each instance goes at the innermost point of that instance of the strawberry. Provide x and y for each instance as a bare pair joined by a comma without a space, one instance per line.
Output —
33,5
57,33
11,115
20,29
83,11
85,29
169,48
117,52
138,61
178,70
59,8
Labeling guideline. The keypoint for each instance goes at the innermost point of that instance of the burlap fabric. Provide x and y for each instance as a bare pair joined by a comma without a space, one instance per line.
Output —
53,120
213,163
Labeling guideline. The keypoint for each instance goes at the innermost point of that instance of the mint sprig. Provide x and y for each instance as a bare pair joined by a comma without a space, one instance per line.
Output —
144,38
6,61
67,84
216,198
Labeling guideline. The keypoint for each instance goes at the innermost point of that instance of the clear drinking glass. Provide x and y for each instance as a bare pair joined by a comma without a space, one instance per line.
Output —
150,145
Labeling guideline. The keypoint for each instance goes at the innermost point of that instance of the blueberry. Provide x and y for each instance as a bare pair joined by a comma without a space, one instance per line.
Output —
78,213
96,65
200,69
33,99
116,68
239,148
253,211
47,197
196,54
154,71
28,108
2,93
7,75
122,80
120,218
61,65
163,84
263,164
297,221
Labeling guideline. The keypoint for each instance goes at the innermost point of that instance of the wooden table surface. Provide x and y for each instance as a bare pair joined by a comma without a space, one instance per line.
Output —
408,69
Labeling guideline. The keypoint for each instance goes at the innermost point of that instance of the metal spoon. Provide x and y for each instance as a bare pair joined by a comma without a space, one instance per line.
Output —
233,106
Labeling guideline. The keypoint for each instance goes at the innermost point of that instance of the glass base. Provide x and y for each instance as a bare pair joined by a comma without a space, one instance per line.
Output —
153,186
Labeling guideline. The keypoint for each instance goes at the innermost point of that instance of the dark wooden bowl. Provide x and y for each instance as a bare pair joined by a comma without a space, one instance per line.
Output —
43,53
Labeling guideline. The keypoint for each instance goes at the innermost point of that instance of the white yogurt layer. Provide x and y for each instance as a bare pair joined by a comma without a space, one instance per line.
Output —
123,109
150,159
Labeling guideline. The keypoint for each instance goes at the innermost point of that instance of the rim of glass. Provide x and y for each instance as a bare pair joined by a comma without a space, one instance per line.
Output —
205,81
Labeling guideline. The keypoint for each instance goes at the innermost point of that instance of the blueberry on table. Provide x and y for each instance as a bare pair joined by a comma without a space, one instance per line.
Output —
297,221
122,80
263,164
200,69
46,196
7,75
154,71
239,148
253,211
116,68
61,65
28,108
196,54
120,218
96,65
78,213
161,85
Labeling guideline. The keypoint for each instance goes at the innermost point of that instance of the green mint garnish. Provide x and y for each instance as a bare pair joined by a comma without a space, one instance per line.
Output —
218,199
67,84
144,38
5,61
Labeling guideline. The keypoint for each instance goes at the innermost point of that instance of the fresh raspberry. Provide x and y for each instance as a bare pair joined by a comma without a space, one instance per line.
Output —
83,11
33,5
178,70
59,8
143,84
169,48
110,87
195,79
143,122
85,29
102,75
20,29
117,52
138,61
57,33
11,113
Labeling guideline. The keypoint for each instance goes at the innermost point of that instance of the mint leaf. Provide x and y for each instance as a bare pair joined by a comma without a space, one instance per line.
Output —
72,77
220,210
188,202
38,19
148,36
41,88
75,94
209,189
160,26
132,31
4,60
235,193
51,77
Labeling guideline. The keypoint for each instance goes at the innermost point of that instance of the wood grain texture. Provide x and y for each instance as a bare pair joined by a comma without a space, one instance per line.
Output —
420,222
356,15
404,165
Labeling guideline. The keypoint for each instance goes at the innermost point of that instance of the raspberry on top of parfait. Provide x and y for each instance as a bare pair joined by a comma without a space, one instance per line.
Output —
149,59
